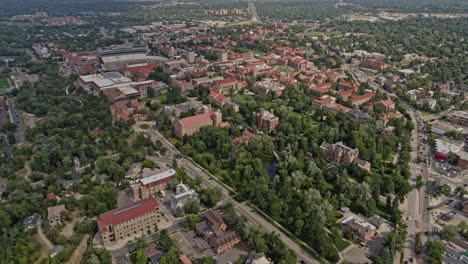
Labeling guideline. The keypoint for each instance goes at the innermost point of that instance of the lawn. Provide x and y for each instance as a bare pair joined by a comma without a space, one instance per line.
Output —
342,244
388,157
286,69
4,84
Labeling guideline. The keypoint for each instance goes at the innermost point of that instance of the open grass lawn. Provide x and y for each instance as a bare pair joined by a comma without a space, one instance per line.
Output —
387,157
342,244
4,84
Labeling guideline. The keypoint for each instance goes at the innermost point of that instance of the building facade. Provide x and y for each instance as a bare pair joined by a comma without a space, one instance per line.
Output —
129,221
341,154
149,186
191,125
267,120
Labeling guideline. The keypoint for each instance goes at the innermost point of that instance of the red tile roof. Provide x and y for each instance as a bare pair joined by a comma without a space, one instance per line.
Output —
51,196
127,213
322,101
246,135
140,69
362,97
347,92
151,249
321,85
341,108
228,80
196,119
185,260
387,103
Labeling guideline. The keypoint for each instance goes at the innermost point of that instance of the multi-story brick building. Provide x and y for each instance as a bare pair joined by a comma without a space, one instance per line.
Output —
267,120
373,65
129,221
149,186
341,154
360,231
191,125
214,231
224,242
358,100
229,85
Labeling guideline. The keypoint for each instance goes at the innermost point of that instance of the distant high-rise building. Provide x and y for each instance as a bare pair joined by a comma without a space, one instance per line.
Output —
191,57
223,56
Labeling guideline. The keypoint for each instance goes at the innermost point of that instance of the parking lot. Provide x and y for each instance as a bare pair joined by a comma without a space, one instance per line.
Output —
191,245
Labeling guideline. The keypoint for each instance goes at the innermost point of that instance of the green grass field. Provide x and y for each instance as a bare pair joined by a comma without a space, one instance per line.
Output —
4,83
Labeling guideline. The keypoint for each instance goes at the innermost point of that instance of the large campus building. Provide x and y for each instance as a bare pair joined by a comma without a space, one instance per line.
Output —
128,221
115,86
341,154
191,125
266,119
149,186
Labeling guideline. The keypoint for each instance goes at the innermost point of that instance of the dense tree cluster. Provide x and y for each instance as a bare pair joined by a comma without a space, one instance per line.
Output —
305,191
257,238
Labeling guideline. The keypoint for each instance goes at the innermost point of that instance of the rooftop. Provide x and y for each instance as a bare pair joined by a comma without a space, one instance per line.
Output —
158,177
195,120
126,213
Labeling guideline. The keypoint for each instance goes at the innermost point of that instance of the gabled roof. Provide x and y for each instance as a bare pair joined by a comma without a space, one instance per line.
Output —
387,103
128,212
196,119
158,177
185,260
362,97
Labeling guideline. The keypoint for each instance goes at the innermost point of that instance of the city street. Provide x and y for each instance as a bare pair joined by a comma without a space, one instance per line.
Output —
16,119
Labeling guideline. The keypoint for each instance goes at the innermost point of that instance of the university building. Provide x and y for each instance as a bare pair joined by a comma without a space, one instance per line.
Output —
191,125
128,221
149,186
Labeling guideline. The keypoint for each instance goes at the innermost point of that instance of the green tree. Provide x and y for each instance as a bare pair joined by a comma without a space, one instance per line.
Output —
435,251
448,233
192,207
192,221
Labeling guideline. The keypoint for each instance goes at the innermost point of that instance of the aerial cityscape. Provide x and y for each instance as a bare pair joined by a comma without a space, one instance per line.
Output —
234,131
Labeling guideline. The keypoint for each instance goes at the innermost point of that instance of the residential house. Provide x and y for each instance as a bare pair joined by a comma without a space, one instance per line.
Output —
54,214
214,230
245,137
31,222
